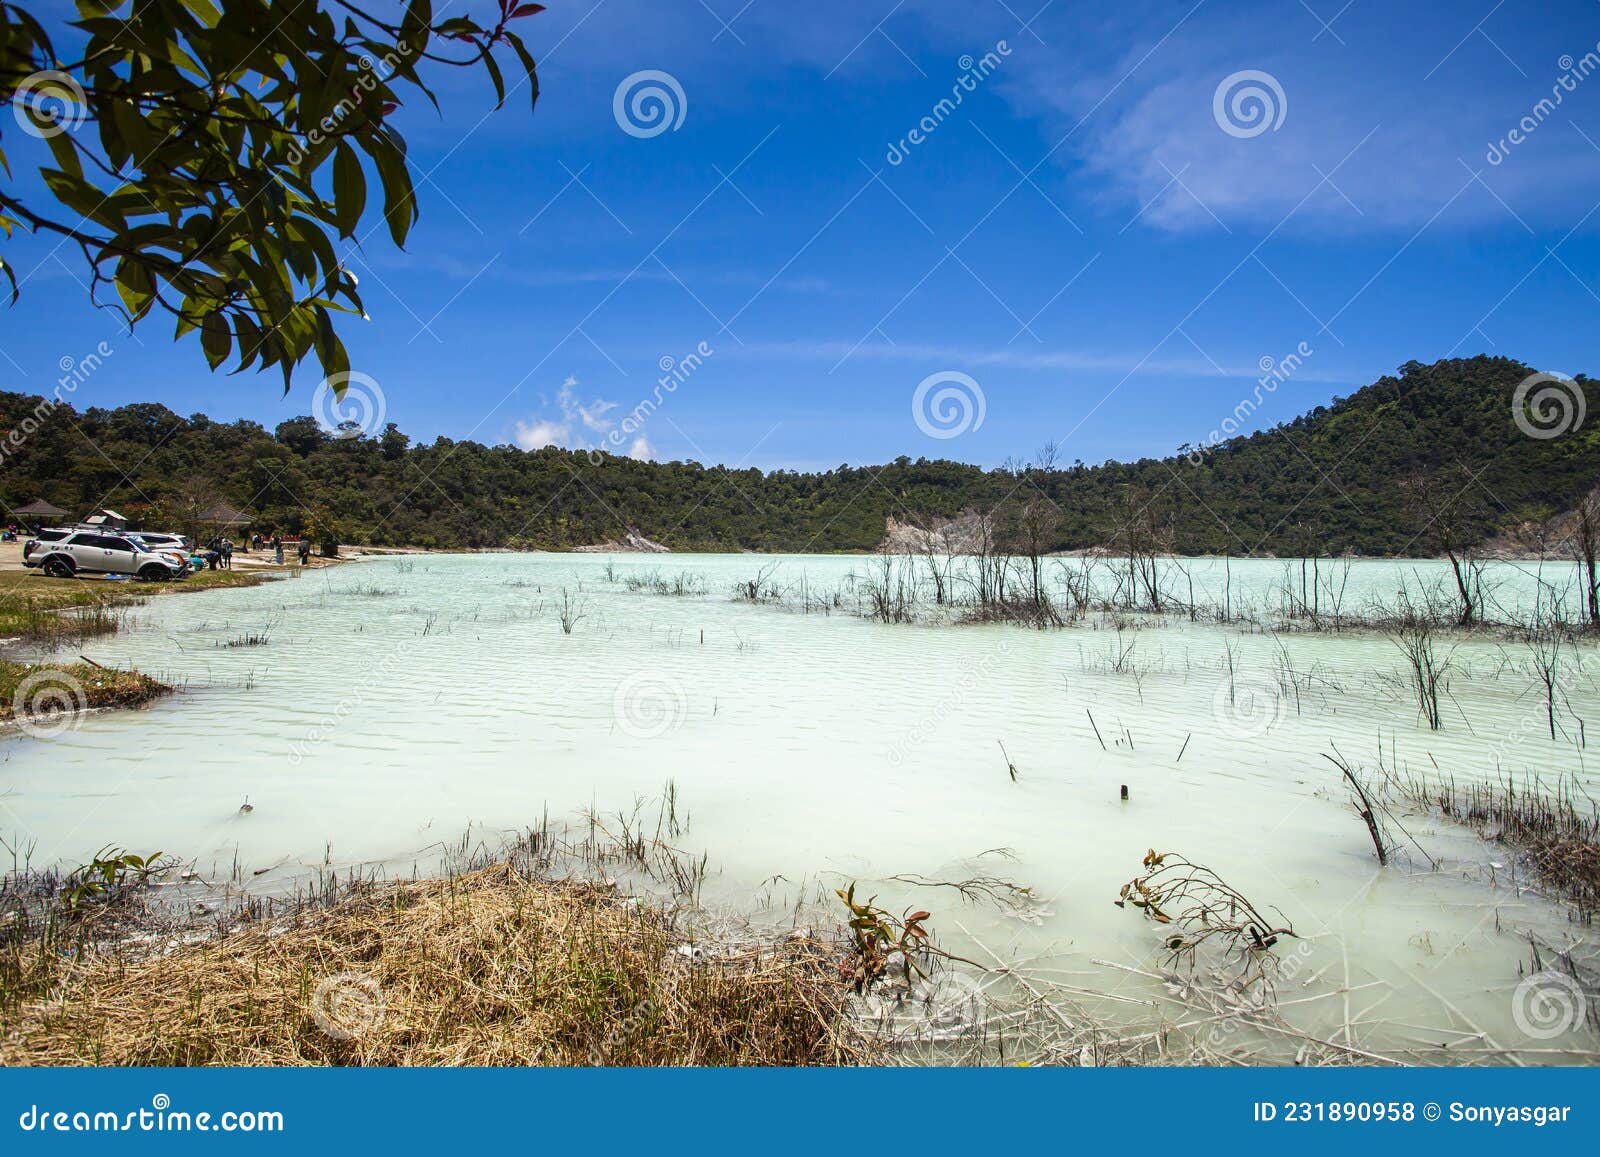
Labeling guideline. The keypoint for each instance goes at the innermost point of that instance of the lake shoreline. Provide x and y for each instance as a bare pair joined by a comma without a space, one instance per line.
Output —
348,971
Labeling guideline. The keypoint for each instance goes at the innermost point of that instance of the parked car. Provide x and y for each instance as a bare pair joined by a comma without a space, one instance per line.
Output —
44,538
90,552
173,546
165,541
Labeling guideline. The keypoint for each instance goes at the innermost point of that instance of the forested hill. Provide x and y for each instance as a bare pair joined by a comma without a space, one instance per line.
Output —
1343,478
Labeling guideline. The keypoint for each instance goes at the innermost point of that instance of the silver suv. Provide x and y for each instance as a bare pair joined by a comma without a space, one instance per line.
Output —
90,552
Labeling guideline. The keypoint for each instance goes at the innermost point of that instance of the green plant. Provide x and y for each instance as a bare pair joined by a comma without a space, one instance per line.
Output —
105,876
877,938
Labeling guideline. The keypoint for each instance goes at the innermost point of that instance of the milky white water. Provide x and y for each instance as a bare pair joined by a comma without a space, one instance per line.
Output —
401,701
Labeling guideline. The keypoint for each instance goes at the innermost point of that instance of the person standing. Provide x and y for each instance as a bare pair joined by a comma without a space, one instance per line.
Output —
277,548
305,551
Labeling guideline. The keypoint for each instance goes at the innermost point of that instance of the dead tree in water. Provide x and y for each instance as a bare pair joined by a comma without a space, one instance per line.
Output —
573,610
1364,807
1139,537
892,590
1448,511
1413,634
1588,543
1544,638
1033,530
987,574
1322,581
937,546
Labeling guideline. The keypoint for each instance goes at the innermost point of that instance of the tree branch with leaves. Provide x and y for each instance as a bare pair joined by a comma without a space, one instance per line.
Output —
205,157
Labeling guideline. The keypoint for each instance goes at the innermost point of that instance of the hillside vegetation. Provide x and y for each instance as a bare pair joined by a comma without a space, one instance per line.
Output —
1430,450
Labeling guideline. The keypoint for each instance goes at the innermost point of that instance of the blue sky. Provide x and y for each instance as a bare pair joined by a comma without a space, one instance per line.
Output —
1082,236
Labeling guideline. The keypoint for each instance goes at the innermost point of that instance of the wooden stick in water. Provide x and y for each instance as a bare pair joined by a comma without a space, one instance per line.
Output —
1096,727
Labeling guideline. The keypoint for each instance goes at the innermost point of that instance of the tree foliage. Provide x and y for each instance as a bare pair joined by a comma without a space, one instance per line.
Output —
205,156
1341,479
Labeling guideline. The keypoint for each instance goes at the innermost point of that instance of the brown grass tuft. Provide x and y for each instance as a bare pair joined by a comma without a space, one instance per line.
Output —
1558,828
488,968
45,690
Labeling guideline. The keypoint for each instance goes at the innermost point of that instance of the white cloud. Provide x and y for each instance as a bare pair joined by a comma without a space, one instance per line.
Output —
1399,144
576,417
593,415
574,413
538,434
1020,357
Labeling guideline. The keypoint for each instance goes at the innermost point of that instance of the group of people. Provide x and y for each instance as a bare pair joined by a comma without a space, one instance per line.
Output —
275,545
219,554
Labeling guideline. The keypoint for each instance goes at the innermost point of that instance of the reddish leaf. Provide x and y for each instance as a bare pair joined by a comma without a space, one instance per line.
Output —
526,10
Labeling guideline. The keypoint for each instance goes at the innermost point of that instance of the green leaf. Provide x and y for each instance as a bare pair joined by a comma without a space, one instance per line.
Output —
135,286
349,189
249,335
215,338
75,193
495,78
330,350
416,23
399,201
528,66
65,151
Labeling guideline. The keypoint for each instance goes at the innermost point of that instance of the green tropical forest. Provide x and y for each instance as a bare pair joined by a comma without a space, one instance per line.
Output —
1432,450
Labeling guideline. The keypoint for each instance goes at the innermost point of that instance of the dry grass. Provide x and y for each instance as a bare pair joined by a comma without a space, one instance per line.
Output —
493,967
1558,829
45,691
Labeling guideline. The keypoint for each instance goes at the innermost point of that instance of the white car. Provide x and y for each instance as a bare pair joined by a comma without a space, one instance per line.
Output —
92,552
173,546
